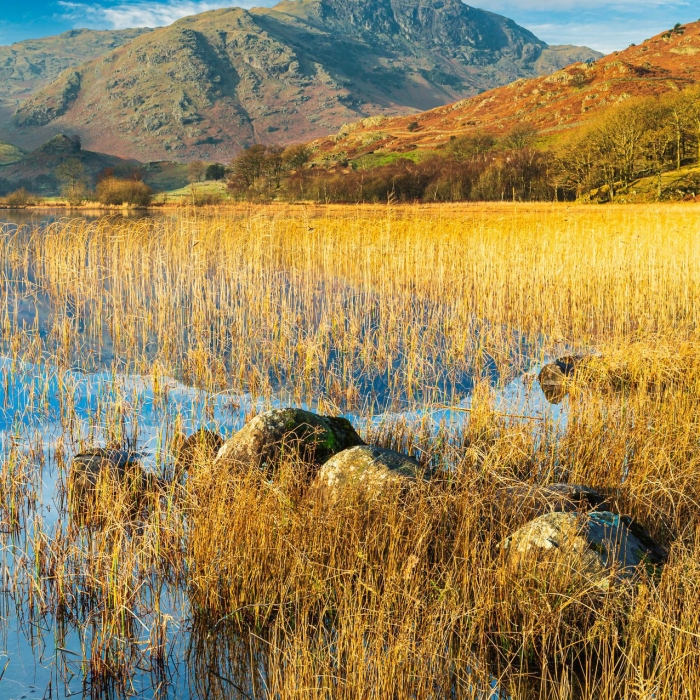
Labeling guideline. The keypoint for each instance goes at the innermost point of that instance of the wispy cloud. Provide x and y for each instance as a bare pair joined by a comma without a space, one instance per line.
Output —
142,14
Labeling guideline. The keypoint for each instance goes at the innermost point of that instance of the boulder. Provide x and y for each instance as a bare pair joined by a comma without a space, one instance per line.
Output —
109,469
536,499
595,545
200,447
88,467
367,467
288,431
554,377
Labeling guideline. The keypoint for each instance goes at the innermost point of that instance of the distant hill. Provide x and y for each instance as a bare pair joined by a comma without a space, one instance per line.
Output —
548,105
28,66
211,84
36,170
9,153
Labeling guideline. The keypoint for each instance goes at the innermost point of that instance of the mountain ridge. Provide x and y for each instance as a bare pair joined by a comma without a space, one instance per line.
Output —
213,83
547,105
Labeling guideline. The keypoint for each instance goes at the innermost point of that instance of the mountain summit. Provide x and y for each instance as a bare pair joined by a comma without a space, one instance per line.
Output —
213,83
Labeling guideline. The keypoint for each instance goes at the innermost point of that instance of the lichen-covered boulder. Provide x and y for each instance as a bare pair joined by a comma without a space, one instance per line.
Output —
536,499
595,545
199,448
554,377
367,467
288,431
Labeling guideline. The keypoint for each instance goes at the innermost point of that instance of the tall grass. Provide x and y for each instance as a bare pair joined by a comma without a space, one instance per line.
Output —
405,593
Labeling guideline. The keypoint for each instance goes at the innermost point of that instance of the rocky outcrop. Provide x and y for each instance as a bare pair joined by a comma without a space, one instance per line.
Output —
367,467
288,432
597,546
56,101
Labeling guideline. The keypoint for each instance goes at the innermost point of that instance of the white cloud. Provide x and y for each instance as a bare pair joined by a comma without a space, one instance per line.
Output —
142,14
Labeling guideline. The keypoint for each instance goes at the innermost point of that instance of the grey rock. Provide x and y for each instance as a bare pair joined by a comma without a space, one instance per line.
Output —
368,467
596,545
288,431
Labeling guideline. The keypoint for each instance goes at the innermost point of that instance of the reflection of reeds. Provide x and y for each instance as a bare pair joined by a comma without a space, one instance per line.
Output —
405,594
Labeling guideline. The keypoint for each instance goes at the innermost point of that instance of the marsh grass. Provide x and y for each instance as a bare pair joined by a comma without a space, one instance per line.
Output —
391,314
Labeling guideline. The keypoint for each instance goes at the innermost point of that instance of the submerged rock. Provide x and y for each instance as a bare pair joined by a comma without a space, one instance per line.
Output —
200,447
368,467
270,435
553,378
593,545
561,498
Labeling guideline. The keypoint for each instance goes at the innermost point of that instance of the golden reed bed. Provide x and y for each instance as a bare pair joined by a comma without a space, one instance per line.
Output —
404,595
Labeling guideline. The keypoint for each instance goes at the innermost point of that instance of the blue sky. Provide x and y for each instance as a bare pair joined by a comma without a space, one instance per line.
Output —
601,24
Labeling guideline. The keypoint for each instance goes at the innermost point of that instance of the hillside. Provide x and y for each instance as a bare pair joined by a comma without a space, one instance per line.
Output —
213,83
9,153
28,66
548,105
37,170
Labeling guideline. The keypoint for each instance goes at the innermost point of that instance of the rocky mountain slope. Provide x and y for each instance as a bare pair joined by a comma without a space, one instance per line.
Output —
548,105
213,83
28,66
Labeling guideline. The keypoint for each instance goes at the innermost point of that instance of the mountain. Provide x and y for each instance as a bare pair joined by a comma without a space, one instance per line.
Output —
547,105
213,83
28,66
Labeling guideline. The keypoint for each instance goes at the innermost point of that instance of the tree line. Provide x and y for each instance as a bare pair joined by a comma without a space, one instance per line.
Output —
638,138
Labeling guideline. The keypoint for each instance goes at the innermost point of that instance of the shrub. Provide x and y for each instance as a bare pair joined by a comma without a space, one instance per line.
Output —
19,198
115,192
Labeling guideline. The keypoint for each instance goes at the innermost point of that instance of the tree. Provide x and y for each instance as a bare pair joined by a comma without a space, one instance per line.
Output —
248,167
215,171
115,192
73,177
520,136
196,171
296,157
472,147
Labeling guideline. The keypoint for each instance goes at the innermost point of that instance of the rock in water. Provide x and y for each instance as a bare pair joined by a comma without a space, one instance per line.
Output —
593,545
565,498
369,467
88,467
106,468
553,377
200,447
270,435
